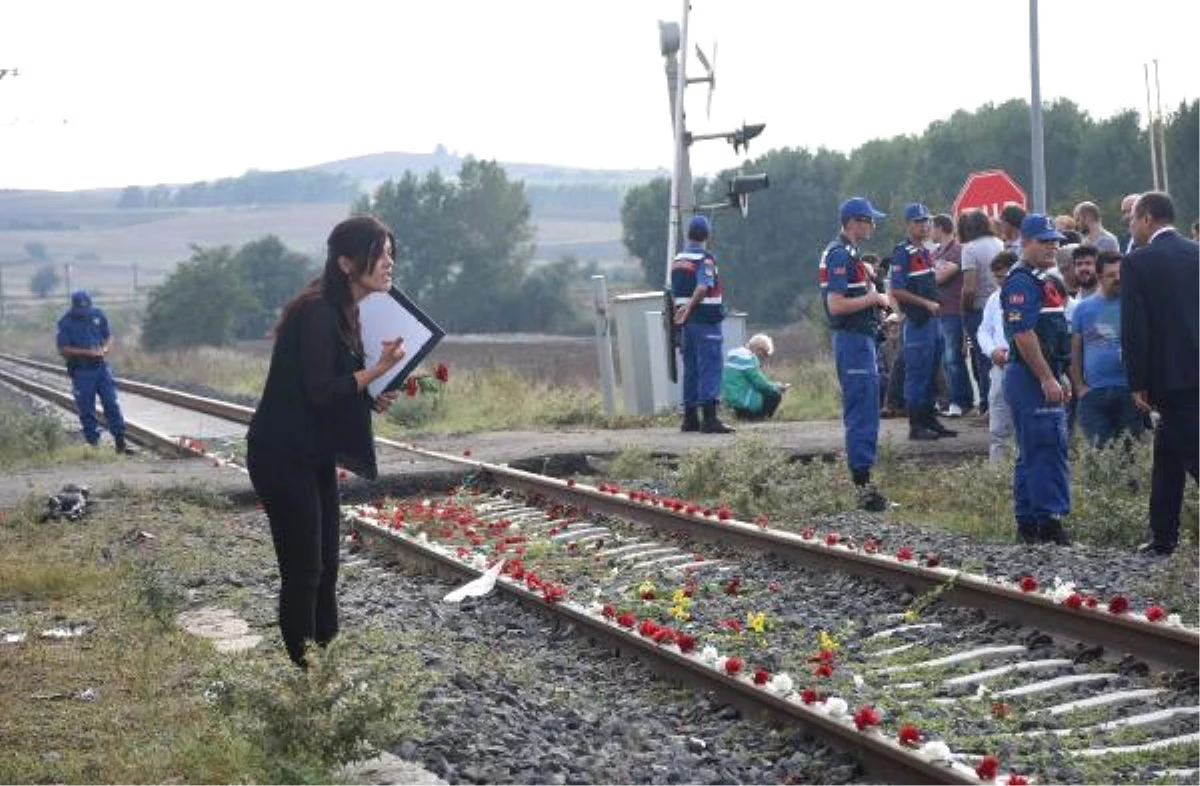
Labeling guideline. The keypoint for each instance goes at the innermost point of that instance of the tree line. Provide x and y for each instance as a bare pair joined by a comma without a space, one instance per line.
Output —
252,188
769,260
463,248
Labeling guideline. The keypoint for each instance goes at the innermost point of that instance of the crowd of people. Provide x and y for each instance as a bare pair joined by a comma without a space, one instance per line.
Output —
1040,324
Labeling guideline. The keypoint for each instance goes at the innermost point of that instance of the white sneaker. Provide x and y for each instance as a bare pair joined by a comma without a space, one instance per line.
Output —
954,411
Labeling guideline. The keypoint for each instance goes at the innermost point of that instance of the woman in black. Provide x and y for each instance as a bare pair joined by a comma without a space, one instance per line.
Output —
314,415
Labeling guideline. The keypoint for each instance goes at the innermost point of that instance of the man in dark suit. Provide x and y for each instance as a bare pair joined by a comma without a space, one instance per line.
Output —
1160,303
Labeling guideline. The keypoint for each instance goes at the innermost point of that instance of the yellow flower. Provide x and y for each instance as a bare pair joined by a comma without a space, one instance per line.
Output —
757,622
911,615
827,642
680,598
680,613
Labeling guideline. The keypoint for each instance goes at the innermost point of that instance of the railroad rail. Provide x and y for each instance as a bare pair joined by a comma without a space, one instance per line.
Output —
1156,643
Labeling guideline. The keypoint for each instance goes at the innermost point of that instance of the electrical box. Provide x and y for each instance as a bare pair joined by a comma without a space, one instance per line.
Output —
646,388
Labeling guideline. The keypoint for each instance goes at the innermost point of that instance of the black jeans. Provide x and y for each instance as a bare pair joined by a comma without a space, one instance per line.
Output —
301,501
1175,453
771,400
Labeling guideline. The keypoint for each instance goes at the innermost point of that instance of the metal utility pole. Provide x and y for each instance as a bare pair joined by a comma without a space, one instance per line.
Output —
1037,159
680,169
1150,128
1162,131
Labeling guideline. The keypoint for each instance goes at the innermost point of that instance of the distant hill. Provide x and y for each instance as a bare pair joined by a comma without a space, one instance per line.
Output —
576,213
375,168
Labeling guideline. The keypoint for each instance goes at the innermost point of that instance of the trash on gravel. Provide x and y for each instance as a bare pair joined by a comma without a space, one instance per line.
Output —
69,632
87,694
13,638
476,587
71,503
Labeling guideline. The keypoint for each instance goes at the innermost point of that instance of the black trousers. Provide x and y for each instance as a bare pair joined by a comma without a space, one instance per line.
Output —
301,501
771,401
1176,454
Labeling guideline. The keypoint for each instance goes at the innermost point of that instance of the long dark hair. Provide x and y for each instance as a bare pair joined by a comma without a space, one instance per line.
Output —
361,239
972,225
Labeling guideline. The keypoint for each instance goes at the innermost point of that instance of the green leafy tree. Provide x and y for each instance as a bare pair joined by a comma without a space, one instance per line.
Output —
200,304
271,273
44,281
463,246
546,298
644,227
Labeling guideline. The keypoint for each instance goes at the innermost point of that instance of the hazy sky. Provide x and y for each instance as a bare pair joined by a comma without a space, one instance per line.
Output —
117,92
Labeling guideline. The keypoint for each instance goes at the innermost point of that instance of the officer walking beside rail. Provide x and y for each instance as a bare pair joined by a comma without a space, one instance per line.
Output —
696,289
1035,325
851,306
83,340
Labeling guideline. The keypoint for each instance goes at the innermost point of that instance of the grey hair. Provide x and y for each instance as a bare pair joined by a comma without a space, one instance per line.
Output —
761,341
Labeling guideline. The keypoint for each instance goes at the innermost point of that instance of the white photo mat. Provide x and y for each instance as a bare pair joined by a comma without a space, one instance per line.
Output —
386,316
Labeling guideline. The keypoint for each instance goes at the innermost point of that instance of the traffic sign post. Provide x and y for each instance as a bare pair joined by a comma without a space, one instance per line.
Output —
990,191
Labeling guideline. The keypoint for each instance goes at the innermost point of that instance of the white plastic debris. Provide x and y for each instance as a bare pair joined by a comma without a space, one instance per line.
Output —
476,587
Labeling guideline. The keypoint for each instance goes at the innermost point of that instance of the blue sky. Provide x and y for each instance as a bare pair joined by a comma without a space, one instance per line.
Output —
131,91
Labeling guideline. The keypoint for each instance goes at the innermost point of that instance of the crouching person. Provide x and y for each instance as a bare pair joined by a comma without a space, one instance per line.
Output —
744,387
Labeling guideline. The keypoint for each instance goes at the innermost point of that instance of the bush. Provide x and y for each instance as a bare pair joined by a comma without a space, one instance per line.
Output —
23,435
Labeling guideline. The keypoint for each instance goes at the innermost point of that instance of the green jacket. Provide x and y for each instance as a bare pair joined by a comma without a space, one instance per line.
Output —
742,381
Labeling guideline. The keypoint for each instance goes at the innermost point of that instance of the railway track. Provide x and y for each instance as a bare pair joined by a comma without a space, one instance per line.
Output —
1069,614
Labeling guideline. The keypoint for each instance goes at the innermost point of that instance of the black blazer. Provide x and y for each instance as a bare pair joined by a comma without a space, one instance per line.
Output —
311,410
1160,306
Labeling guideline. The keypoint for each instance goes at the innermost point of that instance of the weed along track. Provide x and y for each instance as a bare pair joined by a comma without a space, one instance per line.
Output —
922,671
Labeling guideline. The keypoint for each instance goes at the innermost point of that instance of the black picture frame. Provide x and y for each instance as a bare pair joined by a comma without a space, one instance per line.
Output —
385,316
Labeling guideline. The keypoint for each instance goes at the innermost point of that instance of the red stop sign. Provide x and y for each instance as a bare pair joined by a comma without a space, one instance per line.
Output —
989,191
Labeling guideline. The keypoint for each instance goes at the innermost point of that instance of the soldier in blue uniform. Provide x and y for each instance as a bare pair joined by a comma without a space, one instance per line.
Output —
914,287
851,306
83,340
696,289
1033,304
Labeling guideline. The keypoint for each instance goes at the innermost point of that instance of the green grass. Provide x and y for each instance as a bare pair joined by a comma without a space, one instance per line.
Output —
137,700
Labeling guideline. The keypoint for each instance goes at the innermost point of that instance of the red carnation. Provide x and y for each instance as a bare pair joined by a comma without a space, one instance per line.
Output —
807,533
988,768
553,593
1091,601
733,665
686,642
1017,780
824,670
866,716
1073,601
570,481
904,554
1155,613
648,628
761,676
1118,605
932,560
411,387
732,587
1028,584
664,635
831,539
809,696
626,620
442,372
761,520
909,735
870,546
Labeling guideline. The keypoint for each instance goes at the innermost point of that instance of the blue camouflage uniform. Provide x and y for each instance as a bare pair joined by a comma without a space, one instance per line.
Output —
703,356
84,326
1033,300
843,271
912,270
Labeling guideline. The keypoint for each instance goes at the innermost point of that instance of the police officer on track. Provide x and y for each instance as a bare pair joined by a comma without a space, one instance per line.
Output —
851,306
83,339
1035,325
696,289
914,287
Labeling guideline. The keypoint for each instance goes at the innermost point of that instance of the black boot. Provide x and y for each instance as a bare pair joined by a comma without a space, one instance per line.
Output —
918,430
691,420
712,424
1051,530
123,447
933,424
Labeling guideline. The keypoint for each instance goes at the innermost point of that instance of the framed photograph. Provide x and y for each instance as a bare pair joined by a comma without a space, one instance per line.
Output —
389,315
